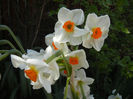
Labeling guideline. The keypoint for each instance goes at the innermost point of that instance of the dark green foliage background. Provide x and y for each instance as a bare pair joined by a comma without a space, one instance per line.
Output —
112,67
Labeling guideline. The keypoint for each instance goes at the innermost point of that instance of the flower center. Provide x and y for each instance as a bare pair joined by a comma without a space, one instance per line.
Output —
68,26
97,33
74,60
32,73
55,48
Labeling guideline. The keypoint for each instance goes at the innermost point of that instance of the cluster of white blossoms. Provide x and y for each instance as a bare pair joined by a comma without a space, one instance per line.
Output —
117,96
44,68
40,73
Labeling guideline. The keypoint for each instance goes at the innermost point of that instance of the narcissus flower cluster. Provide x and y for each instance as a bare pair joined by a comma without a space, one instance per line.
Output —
114,95
62,55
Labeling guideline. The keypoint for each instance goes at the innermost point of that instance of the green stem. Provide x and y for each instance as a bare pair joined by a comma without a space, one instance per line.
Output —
3,42
4,27
75,94
66,89
81,89
62,69
66,65
58,53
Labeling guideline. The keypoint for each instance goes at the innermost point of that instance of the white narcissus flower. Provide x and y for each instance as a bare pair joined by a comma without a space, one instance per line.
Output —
77,59
65,28
36,69
51,41
97,28
80,77
118,96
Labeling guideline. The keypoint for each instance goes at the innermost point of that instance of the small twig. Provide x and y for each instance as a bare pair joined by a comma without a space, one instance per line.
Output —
38,26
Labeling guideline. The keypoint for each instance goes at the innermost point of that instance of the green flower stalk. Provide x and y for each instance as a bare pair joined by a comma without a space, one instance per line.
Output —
58,53
66,89
81,89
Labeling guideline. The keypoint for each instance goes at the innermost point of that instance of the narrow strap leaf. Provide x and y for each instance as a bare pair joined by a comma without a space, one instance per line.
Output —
3,42
4,27
8,52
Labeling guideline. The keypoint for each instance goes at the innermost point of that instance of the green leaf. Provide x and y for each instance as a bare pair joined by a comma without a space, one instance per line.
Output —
14,93
4,27
3,42
124,62
3,56
125,30
4,76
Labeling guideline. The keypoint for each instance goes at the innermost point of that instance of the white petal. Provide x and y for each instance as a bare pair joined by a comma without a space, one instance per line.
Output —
83,62
36,85
91,21
61,46
103,22
87,43
86,90
89,81
111,97
75,40
48,52
105,34
45,83
113,91
49,39
80,73
78,16
79,32
87,40
32,54
42,51
58,26
64,14
18,62
98,43
37,63
90,97
62,36
55,70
